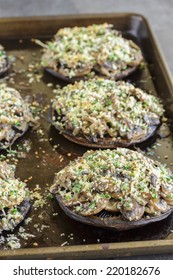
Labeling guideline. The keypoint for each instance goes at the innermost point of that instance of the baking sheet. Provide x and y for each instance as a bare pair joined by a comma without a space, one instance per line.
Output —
50,233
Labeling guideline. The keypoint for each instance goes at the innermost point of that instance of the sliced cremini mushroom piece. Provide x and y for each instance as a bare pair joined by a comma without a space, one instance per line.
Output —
167,188
109,186
159,205
169,199
133,213
153,178
74,201
93,207
112,205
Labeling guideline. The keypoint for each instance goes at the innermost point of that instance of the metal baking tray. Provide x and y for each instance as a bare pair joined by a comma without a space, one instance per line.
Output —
58,236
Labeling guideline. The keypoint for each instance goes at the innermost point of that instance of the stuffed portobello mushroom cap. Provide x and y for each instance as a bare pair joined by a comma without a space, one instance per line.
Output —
104,113
117,189
80,52
14,198
15,116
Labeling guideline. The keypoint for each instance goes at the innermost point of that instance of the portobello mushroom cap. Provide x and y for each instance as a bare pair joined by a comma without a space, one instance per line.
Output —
15,116
4,63
14,198
103,113
118,189
80,52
